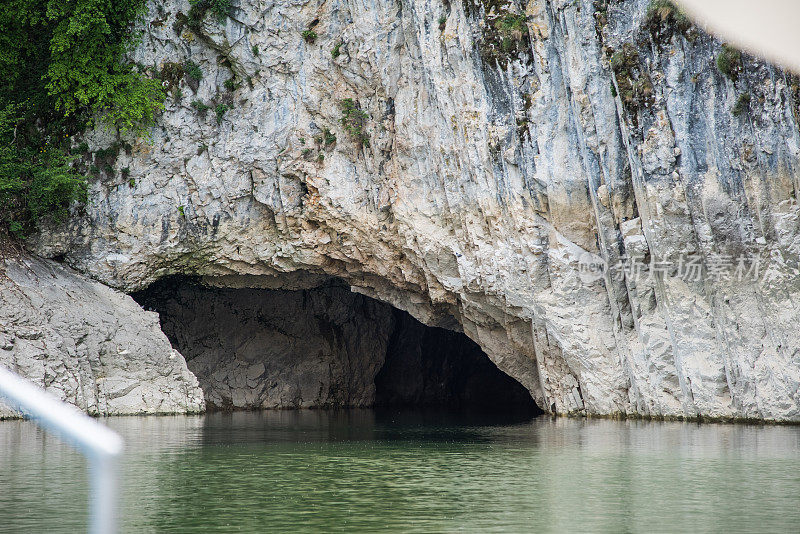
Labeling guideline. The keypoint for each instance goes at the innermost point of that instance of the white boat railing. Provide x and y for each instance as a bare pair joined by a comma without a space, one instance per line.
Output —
101,446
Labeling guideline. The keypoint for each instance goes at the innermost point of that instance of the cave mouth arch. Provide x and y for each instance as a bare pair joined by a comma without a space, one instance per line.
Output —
324,347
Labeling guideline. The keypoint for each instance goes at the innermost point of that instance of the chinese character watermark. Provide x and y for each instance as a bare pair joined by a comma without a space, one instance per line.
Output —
687,267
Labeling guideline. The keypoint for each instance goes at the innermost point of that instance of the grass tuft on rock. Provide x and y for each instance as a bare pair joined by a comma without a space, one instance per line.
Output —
742,104
309,36
729,61
354,121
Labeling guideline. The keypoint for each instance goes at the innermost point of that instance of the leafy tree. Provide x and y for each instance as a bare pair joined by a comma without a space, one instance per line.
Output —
354,121
35,182
62,64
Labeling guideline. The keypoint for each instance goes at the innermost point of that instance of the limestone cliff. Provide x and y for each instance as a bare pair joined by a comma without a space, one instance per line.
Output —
504,151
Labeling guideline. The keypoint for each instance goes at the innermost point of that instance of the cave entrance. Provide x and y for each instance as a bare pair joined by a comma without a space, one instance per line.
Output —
325,347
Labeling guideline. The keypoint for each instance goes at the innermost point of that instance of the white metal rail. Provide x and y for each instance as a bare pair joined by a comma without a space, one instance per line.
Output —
101,446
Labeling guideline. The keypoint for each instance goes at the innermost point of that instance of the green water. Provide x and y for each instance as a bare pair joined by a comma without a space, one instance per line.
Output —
362,471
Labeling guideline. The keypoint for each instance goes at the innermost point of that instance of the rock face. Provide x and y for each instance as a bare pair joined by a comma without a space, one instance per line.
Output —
89,345
504,151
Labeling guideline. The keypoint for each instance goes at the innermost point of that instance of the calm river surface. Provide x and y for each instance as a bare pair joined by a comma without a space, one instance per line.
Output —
361,470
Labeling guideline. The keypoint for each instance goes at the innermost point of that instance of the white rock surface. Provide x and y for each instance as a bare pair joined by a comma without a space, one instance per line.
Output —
88,344
490,181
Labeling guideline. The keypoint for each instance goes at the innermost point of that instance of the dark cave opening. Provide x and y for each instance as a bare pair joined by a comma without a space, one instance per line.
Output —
438,368
324,347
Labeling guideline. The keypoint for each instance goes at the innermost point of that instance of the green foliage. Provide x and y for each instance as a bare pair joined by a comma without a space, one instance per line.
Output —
306,152
200,8
635,85
664,14
63,65
35,182
328,136
309,35
200,106
320,158
336,50
742,104
729,61
219,8
255,50
181,210
107,154
512,25
504,36
230,84
84,71
354,121
192,70
220,110
512,28
625,64
442,22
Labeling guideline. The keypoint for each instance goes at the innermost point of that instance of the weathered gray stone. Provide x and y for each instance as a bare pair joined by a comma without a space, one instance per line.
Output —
88,344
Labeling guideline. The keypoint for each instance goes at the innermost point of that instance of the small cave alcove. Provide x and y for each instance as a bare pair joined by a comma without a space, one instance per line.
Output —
324,347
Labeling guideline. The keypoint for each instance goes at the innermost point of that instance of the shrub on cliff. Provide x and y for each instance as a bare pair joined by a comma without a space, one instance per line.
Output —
354,121
35,182
729,61
742,104
309,36
200,8
62,64
662,13
221,110
68,58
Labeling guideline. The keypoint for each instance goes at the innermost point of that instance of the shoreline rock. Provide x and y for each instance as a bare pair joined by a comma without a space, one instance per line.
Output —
88,344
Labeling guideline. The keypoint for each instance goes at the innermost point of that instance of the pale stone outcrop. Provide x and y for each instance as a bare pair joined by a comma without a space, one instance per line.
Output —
88,344
495,176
